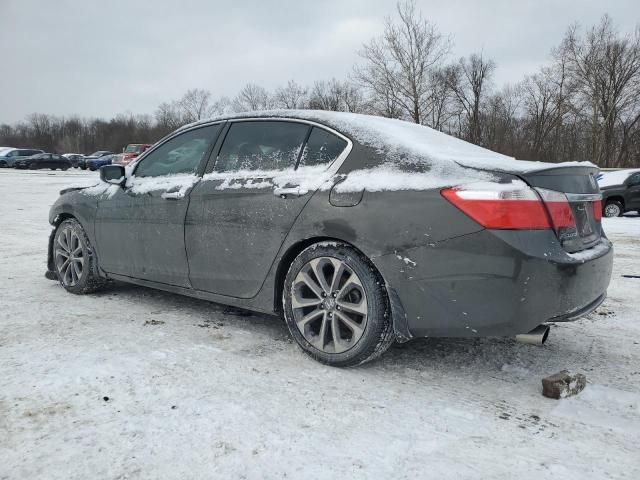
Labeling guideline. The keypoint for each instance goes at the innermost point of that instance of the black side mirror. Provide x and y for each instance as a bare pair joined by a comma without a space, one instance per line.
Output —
113,174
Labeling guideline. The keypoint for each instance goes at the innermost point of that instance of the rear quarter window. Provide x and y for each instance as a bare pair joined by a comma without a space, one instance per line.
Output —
322,148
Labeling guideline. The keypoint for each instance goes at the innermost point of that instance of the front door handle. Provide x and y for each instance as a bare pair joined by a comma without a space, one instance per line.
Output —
172,195
285,192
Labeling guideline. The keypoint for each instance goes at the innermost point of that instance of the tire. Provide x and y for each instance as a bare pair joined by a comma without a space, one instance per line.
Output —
613,208
81,274
3,164
83,167
52,168
353,299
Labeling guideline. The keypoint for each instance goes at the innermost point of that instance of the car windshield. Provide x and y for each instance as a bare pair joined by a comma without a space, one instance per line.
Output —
133,149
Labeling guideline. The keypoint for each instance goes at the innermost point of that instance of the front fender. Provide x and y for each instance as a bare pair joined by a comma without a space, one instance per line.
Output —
76,204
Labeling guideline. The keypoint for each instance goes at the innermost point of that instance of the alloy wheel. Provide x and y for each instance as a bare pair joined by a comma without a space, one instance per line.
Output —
69,257
329,304
611,210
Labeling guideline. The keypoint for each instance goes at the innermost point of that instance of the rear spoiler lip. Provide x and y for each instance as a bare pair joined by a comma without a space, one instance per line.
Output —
575,167
585,169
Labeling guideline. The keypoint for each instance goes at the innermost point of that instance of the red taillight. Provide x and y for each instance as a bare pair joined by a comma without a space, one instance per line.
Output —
513,206
559,209
597,210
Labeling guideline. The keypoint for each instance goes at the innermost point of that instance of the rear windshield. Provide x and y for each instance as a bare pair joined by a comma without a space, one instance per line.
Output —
133,149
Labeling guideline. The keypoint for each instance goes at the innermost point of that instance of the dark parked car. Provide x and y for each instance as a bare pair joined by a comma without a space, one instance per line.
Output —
9,156
361,230
83,164
620,191
43,160
96,163
74,158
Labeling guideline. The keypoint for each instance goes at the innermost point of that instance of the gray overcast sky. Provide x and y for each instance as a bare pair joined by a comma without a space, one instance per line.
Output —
100,58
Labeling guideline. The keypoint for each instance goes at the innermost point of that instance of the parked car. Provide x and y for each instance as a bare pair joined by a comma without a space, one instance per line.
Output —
96,163
361,230
100,153
620,192
74,158
131,152
43,160
10,156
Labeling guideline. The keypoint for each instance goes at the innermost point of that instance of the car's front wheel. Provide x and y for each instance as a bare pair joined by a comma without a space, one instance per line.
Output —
336,305
74,259
613,208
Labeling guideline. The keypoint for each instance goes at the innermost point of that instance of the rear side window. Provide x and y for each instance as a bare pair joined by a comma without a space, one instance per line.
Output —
322,148
261,145
182,154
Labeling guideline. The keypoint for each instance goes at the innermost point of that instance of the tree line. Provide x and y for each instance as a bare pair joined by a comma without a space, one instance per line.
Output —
584,104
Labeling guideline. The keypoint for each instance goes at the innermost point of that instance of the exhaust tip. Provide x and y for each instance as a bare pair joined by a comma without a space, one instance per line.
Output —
537,336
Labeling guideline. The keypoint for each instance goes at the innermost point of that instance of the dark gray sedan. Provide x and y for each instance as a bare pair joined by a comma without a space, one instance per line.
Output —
51,161
360,230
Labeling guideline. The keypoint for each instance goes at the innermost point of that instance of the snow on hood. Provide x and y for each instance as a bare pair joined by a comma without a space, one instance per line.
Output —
401,141
609,179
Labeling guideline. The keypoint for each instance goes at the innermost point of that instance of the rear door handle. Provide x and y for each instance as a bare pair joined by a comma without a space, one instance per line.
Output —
285,192
172,195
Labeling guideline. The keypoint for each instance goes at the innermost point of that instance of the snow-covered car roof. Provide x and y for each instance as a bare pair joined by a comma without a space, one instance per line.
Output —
403,141
617,177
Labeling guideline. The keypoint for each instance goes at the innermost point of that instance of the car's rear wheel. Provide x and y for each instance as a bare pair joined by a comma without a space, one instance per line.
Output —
74,259
336,305
613,208
3,164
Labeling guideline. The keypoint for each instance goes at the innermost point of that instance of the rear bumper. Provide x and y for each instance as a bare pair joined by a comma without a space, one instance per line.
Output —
493,283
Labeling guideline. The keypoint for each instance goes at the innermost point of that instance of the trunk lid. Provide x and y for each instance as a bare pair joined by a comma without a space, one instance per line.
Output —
579,185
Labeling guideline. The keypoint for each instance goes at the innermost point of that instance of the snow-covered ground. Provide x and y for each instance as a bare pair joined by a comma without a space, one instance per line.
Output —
135,383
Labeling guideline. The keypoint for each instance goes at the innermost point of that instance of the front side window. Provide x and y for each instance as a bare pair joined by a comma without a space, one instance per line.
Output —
261,145
182,154
322,148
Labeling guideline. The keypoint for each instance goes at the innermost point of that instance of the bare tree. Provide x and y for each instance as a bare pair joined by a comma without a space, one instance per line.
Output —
606,69
546,102
468,81
195,105
291,96
252,97
398,66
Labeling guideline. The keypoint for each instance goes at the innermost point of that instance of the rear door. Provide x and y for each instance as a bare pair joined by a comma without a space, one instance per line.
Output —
140,228
245,206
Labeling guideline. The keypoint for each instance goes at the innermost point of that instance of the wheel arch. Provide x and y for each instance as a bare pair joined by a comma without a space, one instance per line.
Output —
615,198
397,312
58,219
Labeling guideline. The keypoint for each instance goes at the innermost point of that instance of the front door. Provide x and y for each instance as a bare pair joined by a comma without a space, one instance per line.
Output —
242,211
140,228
